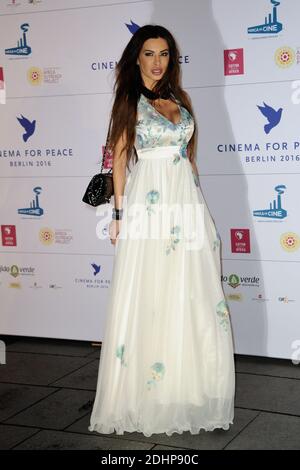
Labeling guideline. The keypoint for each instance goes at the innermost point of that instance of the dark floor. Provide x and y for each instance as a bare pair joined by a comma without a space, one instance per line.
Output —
45,383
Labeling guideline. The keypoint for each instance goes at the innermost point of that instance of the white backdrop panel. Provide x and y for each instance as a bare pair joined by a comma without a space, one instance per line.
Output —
61,298
78,43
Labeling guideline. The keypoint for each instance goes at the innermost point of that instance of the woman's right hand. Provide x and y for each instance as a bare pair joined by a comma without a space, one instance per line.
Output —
114,229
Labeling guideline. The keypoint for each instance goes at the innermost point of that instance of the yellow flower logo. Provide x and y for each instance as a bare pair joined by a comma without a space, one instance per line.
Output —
35,76
284,56
290,241
46,236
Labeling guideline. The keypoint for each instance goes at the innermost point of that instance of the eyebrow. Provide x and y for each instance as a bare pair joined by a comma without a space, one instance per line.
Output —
149,50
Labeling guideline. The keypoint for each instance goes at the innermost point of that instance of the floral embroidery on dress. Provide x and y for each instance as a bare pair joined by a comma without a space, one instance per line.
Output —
152,197
223,313
166,133
157,372
174,238
120,354
139,137
217,241
183,150
176,158
182,153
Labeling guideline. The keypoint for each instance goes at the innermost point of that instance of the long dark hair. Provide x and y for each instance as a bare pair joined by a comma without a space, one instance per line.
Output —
126,89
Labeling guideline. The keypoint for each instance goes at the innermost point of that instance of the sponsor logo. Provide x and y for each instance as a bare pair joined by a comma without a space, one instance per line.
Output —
2,87
285,57
9,237
34,208
290,241
49,75
240,240
234,281
22,48
273,117
275,210
28,126
234,61
285,300
271,24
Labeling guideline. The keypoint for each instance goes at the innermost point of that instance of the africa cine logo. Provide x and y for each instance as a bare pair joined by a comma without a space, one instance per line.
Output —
34,208
275,210
22,47
271,24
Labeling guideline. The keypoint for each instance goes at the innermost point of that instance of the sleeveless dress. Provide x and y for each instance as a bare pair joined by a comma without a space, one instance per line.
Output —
166,362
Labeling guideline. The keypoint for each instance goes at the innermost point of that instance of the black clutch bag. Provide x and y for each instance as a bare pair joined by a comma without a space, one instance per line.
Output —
101,187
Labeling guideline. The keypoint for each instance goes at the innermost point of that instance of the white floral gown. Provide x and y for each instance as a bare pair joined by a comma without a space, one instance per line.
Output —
166,362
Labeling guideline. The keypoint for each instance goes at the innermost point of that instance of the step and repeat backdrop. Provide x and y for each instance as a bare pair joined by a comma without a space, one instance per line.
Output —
240,64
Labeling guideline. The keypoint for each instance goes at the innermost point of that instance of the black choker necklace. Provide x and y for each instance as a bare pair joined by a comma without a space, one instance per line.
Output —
154,96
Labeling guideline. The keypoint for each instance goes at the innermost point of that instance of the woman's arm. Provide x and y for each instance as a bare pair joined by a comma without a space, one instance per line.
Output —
119,171
119,180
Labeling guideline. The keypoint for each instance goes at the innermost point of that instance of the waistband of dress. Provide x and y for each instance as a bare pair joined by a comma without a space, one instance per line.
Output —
158,152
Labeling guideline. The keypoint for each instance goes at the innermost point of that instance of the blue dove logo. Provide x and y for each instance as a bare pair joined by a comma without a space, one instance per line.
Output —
133,27
96,268
272,116
28,126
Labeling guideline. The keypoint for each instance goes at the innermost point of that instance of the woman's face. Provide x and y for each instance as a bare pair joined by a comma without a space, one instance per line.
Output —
153,60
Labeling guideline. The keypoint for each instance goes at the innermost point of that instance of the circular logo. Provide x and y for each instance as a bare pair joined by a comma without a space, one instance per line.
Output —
14,270
234,280
35,76
290,241
284,56
46,236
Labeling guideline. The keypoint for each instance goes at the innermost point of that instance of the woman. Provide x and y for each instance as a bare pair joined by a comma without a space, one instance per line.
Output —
166,363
